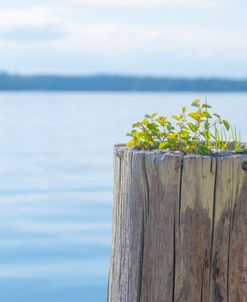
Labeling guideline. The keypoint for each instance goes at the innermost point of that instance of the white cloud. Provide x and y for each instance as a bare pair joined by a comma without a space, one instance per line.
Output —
53,13
82,27
181,41
121,40
198,42
33,16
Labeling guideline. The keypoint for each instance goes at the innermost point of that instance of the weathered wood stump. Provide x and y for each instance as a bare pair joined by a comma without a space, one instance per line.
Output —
179,227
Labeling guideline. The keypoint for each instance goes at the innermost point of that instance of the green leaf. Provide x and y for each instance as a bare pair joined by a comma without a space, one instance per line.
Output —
135,125
226,124
192,127
184,110
206,114
196,103
206,124
206,106
206,135
163,145
194,115
134,132
152,126
131,143
196,138
203,149
176,117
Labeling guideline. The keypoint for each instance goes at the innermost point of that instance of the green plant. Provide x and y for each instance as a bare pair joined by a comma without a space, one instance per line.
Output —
197,131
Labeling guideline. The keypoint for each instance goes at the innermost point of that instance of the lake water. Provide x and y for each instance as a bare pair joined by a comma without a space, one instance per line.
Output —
56,186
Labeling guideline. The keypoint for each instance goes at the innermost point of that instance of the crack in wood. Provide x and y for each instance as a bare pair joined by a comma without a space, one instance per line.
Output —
213,219
202,283
144,222
174,260
180,191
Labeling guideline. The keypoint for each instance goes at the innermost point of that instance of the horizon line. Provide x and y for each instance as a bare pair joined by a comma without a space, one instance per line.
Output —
122,75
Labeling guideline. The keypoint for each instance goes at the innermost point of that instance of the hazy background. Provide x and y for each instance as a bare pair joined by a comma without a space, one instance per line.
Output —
56,147
158,37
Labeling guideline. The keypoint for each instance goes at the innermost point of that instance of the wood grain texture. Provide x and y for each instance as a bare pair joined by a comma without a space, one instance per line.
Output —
163,181
179,228
194,231
238,236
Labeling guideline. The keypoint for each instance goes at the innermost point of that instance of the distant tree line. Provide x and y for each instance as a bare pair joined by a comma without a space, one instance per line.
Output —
9,82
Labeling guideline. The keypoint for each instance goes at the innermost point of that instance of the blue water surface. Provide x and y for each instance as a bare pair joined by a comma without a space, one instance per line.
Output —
56,186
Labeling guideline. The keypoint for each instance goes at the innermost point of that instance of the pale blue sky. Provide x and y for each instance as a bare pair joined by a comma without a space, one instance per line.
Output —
151,37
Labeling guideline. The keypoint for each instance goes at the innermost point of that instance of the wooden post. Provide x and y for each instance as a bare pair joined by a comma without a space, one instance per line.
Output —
179,227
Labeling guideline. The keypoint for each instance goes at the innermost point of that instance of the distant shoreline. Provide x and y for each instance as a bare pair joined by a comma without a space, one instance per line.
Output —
117,83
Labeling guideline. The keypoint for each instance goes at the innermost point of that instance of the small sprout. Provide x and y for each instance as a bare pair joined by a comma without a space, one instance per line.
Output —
195,132
196,103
